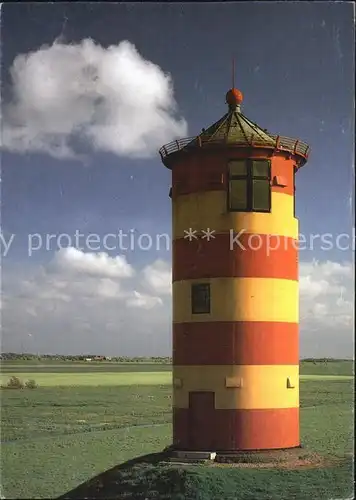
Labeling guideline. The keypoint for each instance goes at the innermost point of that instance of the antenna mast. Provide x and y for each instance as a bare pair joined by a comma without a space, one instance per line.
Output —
233,73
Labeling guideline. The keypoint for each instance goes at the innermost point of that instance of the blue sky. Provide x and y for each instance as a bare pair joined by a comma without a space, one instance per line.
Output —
294,65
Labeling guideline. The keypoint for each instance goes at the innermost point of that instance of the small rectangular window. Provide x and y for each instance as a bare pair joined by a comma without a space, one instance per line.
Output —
238,194
261,199
200,298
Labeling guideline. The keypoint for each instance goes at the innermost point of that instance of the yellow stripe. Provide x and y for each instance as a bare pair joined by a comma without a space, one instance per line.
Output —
240,299
208,210
262,387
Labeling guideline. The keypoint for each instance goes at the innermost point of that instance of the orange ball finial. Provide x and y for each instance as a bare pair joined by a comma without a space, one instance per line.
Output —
234,97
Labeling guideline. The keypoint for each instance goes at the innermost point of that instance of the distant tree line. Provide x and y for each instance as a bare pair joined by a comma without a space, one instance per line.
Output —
118,359
83,357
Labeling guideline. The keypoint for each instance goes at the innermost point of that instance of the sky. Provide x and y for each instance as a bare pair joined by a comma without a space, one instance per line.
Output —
91,91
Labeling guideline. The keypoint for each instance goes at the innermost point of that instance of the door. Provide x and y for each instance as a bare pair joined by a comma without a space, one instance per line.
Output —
201,421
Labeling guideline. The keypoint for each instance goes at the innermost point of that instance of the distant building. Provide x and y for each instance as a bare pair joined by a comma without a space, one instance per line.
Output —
87,359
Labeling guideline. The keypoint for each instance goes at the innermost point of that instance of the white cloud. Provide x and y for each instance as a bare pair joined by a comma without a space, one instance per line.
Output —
83,302
95,264
140,300
111,99
158,277
109,289
326,309
326,290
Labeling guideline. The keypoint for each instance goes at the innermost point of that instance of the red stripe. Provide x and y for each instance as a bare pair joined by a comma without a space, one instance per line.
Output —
187,175
235,343
250,256
234,430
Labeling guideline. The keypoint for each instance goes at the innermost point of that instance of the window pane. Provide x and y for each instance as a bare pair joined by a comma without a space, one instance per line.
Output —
260,168
237,167
238,195
261,195
201,299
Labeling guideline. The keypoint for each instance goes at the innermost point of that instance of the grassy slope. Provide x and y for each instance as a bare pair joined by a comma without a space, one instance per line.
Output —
202,483
55,438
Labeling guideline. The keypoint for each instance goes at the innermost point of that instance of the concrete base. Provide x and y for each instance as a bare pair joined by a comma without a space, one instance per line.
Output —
288,457
261,456
197,457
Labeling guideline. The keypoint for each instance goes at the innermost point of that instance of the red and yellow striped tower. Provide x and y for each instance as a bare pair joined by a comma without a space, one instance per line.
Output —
235,286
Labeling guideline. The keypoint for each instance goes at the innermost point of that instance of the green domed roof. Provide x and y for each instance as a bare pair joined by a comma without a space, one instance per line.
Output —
234,129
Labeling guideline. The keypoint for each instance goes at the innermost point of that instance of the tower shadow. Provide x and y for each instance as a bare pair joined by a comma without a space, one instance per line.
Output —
131,480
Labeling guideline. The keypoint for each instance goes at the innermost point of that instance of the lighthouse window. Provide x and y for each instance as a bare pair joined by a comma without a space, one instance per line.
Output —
249,186
238,167
238,194
260,168
261,195
200,298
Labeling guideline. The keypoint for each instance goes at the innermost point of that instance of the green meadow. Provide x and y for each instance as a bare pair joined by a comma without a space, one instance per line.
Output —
85,418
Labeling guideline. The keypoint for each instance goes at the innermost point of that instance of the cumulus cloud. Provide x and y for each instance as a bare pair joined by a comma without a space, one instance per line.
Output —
86,302
327,309
158,277
326,293
91,302
140,300
95,264
71,98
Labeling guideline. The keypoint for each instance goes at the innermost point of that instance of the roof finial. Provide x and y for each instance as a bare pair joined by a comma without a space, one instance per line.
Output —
234,97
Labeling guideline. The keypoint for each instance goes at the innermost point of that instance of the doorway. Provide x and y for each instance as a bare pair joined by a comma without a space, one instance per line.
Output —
201,420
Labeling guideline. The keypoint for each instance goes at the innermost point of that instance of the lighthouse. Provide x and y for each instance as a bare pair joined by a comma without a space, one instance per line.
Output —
235,286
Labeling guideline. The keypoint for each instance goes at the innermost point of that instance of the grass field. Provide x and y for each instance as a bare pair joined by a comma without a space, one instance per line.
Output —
87,418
